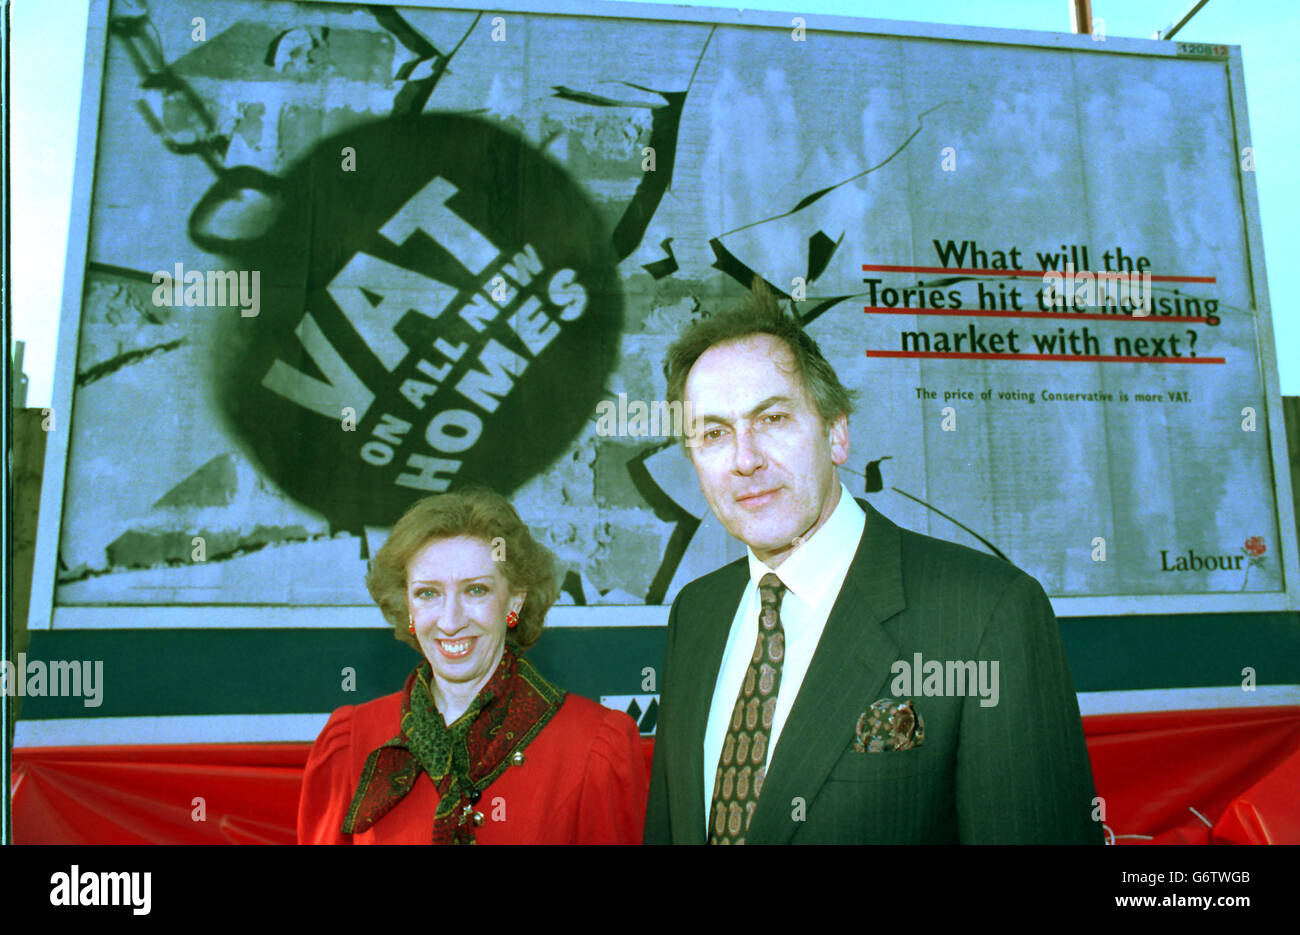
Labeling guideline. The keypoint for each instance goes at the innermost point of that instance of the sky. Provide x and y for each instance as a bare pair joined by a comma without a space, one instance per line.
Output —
48,59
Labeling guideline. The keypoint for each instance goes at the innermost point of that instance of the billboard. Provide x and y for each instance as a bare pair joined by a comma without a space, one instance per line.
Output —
332,259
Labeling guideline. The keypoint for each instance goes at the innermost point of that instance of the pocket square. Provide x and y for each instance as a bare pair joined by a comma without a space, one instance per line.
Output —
889,725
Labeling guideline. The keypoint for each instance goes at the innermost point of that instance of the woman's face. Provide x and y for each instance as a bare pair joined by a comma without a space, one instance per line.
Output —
458,599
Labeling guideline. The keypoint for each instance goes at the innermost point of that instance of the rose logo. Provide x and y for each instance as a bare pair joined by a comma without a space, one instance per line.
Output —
1254,549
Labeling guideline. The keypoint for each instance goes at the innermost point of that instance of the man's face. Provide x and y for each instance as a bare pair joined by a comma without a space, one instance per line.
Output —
764,457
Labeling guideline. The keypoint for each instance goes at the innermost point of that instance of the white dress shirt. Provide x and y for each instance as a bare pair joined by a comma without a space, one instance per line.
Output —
813,574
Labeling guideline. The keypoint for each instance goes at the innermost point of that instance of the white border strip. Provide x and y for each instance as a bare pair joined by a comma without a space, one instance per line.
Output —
332,617
50,516
248,616
302,728
1187,699
1174,604
122,731
813,23
1285,508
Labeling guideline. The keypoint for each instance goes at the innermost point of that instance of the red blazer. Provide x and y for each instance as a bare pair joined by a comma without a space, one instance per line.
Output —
582,781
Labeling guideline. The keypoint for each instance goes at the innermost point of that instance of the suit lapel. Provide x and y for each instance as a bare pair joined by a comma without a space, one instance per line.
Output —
701,638
851,662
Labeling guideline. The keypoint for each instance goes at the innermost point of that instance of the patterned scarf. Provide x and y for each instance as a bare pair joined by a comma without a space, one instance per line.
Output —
463,759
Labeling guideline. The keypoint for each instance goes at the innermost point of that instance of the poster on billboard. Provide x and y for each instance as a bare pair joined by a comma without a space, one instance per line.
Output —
332,259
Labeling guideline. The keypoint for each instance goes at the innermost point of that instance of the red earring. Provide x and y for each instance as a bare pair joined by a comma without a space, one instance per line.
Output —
411,626
512,619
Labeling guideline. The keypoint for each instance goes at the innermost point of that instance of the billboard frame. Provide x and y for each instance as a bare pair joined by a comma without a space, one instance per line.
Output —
45,614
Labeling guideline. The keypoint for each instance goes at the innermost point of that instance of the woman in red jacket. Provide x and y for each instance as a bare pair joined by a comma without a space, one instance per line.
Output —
477,747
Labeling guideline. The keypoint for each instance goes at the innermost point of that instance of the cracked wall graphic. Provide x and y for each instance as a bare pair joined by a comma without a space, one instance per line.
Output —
465,243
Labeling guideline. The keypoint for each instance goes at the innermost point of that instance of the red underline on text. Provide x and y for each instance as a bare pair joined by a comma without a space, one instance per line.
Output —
877,268
977,313
1096,358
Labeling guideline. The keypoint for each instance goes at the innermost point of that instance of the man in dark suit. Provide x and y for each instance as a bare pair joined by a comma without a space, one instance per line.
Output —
848,681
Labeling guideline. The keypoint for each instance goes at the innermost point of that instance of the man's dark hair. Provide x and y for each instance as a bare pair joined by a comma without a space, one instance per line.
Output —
759,313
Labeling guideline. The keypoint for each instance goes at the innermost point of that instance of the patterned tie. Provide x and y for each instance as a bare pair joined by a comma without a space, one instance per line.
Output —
743,763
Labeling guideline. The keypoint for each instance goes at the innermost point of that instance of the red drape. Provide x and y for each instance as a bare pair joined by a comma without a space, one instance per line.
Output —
1239,768
1153,769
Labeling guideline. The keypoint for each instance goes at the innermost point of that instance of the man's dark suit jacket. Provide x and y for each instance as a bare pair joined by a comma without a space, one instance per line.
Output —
1017,771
